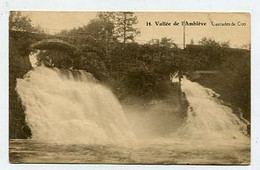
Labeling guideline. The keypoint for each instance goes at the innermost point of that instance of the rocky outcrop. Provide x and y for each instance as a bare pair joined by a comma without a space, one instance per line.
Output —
19,65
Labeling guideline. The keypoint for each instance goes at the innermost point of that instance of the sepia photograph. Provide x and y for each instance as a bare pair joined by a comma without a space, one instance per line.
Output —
129,87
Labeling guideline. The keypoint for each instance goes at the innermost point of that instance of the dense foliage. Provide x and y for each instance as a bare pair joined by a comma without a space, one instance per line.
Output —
233,80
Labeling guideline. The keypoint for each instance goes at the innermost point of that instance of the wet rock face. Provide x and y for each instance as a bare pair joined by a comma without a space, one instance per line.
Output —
19,65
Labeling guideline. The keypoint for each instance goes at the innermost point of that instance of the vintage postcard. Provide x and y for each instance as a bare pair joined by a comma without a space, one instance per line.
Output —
129,87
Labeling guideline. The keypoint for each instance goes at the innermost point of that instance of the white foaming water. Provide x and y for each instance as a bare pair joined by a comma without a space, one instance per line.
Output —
71,106
65,106
208,118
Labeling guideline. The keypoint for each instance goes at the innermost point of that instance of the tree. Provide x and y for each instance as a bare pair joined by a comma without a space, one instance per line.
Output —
93,37
209,42
154,41
164,42
124,28
19,22
167,42
225,44
107,17
108,20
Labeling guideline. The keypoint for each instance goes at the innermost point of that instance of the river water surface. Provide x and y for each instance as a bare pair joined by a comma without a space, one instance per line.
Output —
31,151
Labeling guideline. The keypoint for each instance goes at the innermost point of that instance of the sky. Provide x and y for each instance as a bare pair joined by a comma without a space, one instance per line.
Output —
238,35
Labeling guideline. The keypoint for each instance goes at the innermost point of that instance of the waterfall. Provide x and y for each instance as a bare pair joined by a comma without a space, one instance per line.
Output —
75,119
208,117
71,106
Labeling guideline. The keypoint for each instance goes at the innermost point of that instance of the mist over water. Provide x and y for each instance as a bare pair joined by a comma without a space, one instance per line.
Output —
71,106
